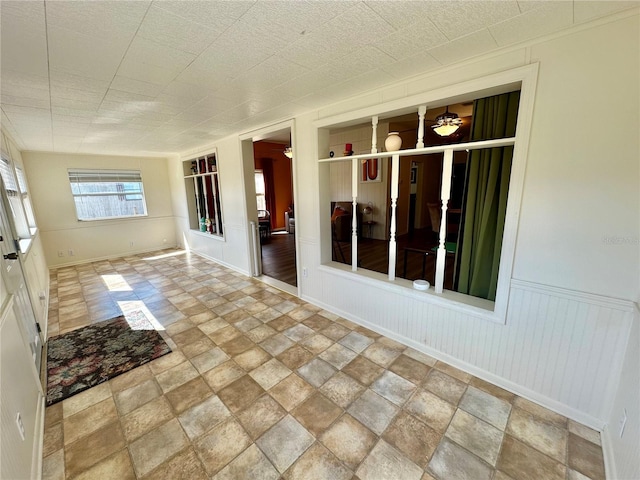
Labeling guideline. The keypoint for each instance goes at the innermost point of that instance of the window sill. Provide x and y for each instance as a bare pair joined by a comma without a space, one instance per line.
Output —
102,219
473,306
219,238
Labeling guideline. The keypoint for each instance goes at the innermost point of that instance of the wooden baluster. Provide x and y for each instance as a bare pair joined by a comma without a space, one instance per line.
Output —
444,197
374,134
395,170
355,171
422,110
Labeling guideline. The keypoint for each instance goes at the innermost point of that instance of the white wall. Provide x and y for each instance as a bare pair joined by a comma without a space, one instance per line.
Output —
56,216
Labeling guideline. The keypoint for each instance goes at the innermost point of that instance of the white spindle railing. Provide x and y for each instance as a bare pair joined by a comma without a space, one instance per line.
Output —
422,110
355,170
374,134
445,194
395,171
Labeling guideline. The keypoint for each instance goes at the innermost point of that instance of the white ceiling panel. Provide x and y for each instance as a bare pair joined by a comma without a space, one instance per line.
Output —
165,28
123,76
84,55
464,47
460,18
548,18
413,39
584,10
102,19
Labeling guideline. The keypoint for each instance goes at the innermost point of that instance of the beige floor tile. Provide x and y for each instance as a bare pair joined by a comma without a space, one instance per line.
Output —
431,409
116,467
222,375
53,466
413,438
381,354
385,461
251,463
53,414
260,333
224,335
585,432
90,419
453,372
295,357
338,356
316,372
153,448
316,322
349,440
586,457
131,398
541,412
298,332
86,452
545,437
318,462
355,341
446,387
130,378
452,462
221,445
237,345
184,466
291,391
270,373
316,413
209,359
203,417
285,442
478,437
525,463
166,362
146,418
363,370
252,358
373,411
280,324
342,389
213,325
276,344
335,332
85,399
410,369
316,343
393,387
240,394
263,414
176,376
486,407
492,389
53,439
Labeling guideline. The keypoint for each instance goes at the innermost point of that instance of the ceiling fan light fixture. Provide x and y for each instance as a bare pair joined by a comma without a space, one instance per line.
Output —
447,123
288,152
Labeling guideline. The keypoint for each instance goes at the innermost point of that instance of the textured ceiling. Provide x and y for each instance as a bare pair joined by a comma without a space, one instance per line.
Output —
156,77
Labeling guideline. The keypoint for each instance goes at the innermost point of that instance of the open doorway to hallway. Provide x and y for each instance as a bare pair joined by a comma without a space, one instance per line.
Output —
276,210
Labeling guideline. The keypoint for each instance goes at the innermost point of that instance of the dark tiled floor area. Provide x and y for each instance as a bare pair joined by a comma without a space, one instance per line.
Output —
261,385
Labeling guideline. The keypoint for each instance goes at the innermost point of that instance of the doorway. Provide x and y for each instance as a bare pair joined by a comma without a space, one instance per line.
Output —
269,171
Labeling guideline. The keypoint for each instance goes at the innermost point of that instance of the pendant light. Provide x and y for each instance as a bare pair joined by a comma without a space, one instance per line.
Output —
447,123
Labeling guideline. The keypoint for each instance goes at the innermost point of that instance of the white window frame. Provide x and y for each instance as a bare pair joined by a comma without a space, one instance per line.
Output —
522,78
263,195
98,172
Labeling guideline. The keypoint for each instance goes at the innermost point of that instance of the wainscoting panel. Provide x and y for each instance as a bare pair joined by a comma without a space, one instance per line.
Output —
560,348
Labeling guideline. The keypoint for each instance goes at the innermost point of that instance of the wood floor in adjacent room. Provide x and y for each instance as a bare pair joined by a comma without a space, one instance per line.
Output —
262,385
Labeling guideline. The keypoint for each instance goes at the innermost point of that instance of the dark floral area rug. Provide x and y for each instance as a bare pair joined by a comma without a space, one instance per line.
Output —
86,357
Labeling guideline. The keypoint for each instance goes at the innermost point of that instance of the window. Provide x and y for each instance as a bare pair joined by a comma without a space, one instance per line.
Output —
202,185
26,201
105,194
16,204
441,210
260,191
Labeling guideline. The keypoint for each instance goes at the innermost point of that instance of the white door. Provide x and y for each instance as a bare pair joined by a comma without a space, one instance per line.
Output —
14,281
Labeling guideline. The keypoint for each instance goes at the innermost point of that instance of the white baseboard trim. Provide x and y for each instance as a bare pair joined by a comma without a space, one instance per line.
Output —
607,452
220,262
512,387
111,257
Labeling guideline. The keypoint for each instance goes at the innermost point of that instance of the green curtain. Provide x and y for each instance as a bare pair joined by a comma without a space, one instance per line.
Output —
485,204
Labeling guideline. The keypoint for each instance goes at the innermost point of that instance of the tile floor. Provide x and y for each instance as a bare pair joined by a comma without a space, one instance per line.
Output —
261,385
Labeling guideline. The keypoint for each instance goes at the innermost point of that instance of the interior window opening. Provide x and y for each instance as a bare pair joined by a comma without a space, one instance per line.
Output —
473,201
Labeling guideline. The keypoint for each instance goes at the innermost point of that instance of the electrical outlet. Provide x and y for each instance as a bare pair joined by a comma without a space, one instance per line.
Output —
623,421
20,426
305,273
71,254
60,253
